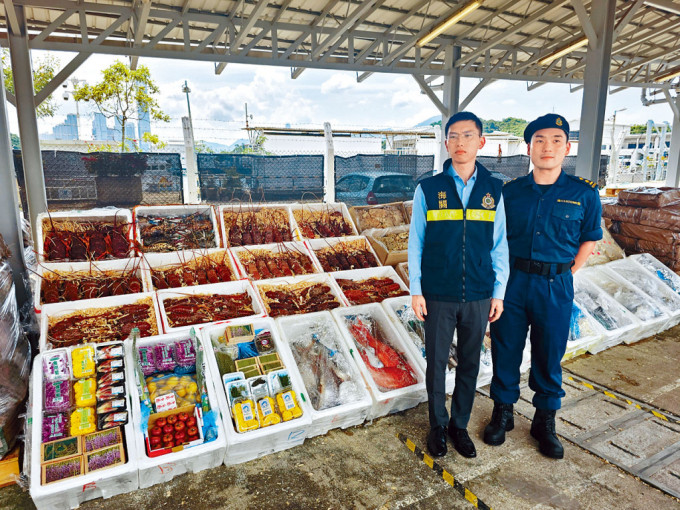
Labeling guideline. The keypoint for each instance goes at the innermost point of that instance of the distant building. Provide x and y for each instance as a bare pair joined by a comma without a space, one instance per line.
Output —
144,126
68,130
101,131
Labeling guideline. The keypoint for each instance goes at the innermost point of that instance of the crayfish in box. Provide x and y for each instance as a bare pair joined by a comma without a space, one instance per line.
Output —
163,234
354,254
98,325
212,268
371,290
302,297
387,367
58,286
323,223
72,240
289,261
200,309
262,225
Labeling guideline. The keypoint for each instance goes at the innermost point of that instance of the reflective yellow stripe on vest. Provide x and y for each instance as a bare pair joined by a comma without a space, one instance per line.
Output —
480,215
457,215
444,215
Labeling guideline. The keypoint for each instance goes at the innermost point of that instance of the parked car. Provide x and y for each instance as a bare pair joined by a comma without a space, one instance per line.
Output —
374,188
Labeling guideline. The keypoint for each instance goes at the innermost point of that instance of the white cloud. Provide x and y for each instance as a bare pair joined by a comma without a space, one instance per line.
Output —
339,82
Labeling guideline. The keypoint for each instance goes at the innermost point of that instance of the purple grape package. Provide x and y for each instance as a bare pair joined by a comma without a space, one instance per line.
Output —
56,366
57,396
55,426
147,360
164,357
185,354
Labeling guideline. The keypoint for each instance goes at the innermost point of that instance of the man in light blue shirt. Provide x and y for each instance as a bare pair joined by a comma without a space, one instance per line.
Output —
458,270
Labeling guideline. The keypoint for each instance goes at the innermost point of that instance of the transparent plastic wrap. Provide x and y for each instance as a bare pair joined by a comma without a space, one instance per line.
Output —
580,325
616,212
628,244
14,373
657,235
605,249
654,266
325,370
668,217
649,197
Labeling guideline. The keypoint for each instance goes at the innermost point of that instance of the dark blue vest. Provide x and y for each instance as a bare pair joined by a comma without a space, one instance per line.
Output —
456,264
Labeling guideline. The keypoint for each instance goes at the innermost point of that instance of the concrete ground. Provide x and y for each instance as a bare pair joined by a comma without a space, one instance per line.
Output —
369,467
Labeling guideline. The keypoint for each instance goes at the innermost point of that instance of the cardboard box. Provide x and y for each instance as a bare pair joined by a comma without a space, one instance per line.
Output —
60,449
9,468
239,333
376,216
387,258
73,466
93,464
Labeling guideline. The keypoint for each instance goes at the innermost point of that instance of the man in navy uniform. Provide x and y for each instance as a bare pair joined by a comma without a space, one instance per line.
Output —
458,265
553,224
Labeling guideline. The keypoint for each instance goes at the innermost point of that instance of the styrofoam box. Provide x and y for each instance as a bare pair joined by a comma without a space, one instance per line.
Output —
408,207
242,447
119,216
294,246
164,261
245,208
391,305
330,242
649,326
60,309
648,283
331,207
369,272
161,469
292,280
94,268
343,415
392,401
582,344
212,289
486,361
174,210
71,493
589,297
661,271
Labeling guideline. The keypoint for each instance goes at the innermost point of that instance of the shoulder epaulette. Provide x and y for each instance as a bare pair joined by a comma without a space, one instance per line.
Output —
511,180
584,181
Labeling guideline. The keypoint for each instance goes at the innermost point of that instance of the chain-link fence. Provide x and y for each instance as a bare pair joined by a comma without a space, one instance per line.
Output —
76,180
245,177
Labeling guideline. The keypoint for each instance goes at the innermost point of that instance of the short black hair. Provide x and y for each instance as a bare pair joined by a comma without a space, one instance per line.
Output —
457,117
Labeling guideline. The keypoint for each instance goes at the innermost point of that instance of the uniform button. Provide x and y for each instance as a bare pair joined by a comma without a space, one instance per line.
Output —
538,233
566,215
539,216
552,279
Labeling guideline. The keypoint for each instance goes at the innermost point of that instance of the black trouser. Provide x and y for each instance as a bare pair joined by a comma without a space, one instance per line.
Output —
469,320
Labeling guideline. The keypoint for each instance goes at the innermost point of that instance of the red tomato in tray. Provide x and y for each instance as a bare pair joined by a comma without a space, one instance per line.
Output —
168,438
179,437
168,429
161,422
192,431
172,420
157,431
169,445
179,426
191,438
155,442
191,421
183,416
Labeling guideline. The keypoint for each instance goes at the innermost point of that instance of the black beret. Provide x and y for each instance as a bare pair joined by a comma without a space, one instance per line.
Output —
550,120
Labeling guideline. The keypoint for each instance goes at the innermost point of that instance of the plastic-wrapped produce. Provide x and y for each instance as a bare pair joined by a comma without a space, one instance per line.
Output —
603,311
164,357
642,280
579,325
55,365
606,249
57,396
654,266
325,371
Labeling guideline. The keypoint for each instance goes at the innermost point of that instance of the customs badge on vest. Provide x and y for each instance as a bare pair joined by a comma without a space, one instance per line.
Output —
442,199
488,202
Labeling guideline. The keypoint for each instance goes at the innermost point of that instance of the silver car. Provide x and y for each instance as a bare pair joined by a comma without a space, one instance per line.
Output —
374,188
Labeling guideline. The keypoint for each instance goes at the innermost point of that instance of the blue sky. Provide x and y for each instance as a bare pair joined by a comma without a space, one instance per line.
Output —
317,96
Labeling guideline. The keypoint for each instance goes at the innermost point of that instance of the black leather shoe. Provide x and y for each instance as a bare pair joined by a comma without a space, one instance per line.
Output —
462,442
543,430
436,441
502,421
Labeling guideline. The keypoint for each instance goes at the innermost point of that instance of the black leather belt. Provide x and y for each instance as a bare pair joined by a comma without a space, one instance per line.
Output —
541,268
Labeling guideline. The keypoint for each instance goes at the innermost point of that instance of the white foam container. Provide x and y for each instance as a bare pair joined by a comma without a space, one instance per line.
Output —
330,206
319,244
669,277
391,305
600,276
583,344
408,207
244,208
341,416
392,401
370,272
162,469
61,309
291,280
163,261
628,326
640,278
119,265
99,214
71,493
243,447
174,210
276,248
211,289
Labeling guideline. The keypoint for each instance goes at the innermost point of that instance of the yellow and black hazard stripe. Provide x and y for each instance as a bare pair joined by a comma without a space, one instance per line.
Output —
446,476
621,398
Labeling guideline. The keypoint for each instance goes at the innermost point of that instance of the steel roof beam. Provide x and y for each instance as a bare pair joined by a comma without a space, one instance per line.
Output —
584,19
54,25
11,16
142,15
474,92
245,29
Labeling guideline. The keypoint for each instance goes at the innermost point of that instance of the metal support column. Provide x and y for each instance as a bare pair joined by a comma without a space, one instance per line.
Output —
451,97
328,165
28,123
673,169
10,222
192,193
596,78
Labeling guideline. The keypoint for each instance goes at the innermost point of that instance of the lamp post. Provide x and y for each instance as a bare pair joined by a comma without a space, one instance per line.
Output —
75,83
614,163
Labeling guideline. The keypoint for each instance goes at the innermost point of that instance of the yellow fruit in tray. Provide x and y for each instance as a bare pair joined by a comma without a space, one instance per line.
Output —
152,386
181,392
172,381
193,387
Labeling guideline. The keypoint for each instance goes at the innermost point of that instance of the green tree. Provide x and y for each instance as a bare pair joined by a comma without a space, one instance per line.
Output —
123,93
16,143
638,129
257,148
44,69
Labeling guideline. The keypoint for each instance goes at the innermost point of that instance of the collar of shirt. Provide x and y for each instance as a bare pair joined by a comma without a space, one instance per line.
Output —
452,172
530,182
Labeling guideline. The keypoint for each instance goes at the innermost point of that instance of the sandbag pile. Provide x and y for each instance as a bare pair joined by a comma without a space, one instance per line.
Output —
647,220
